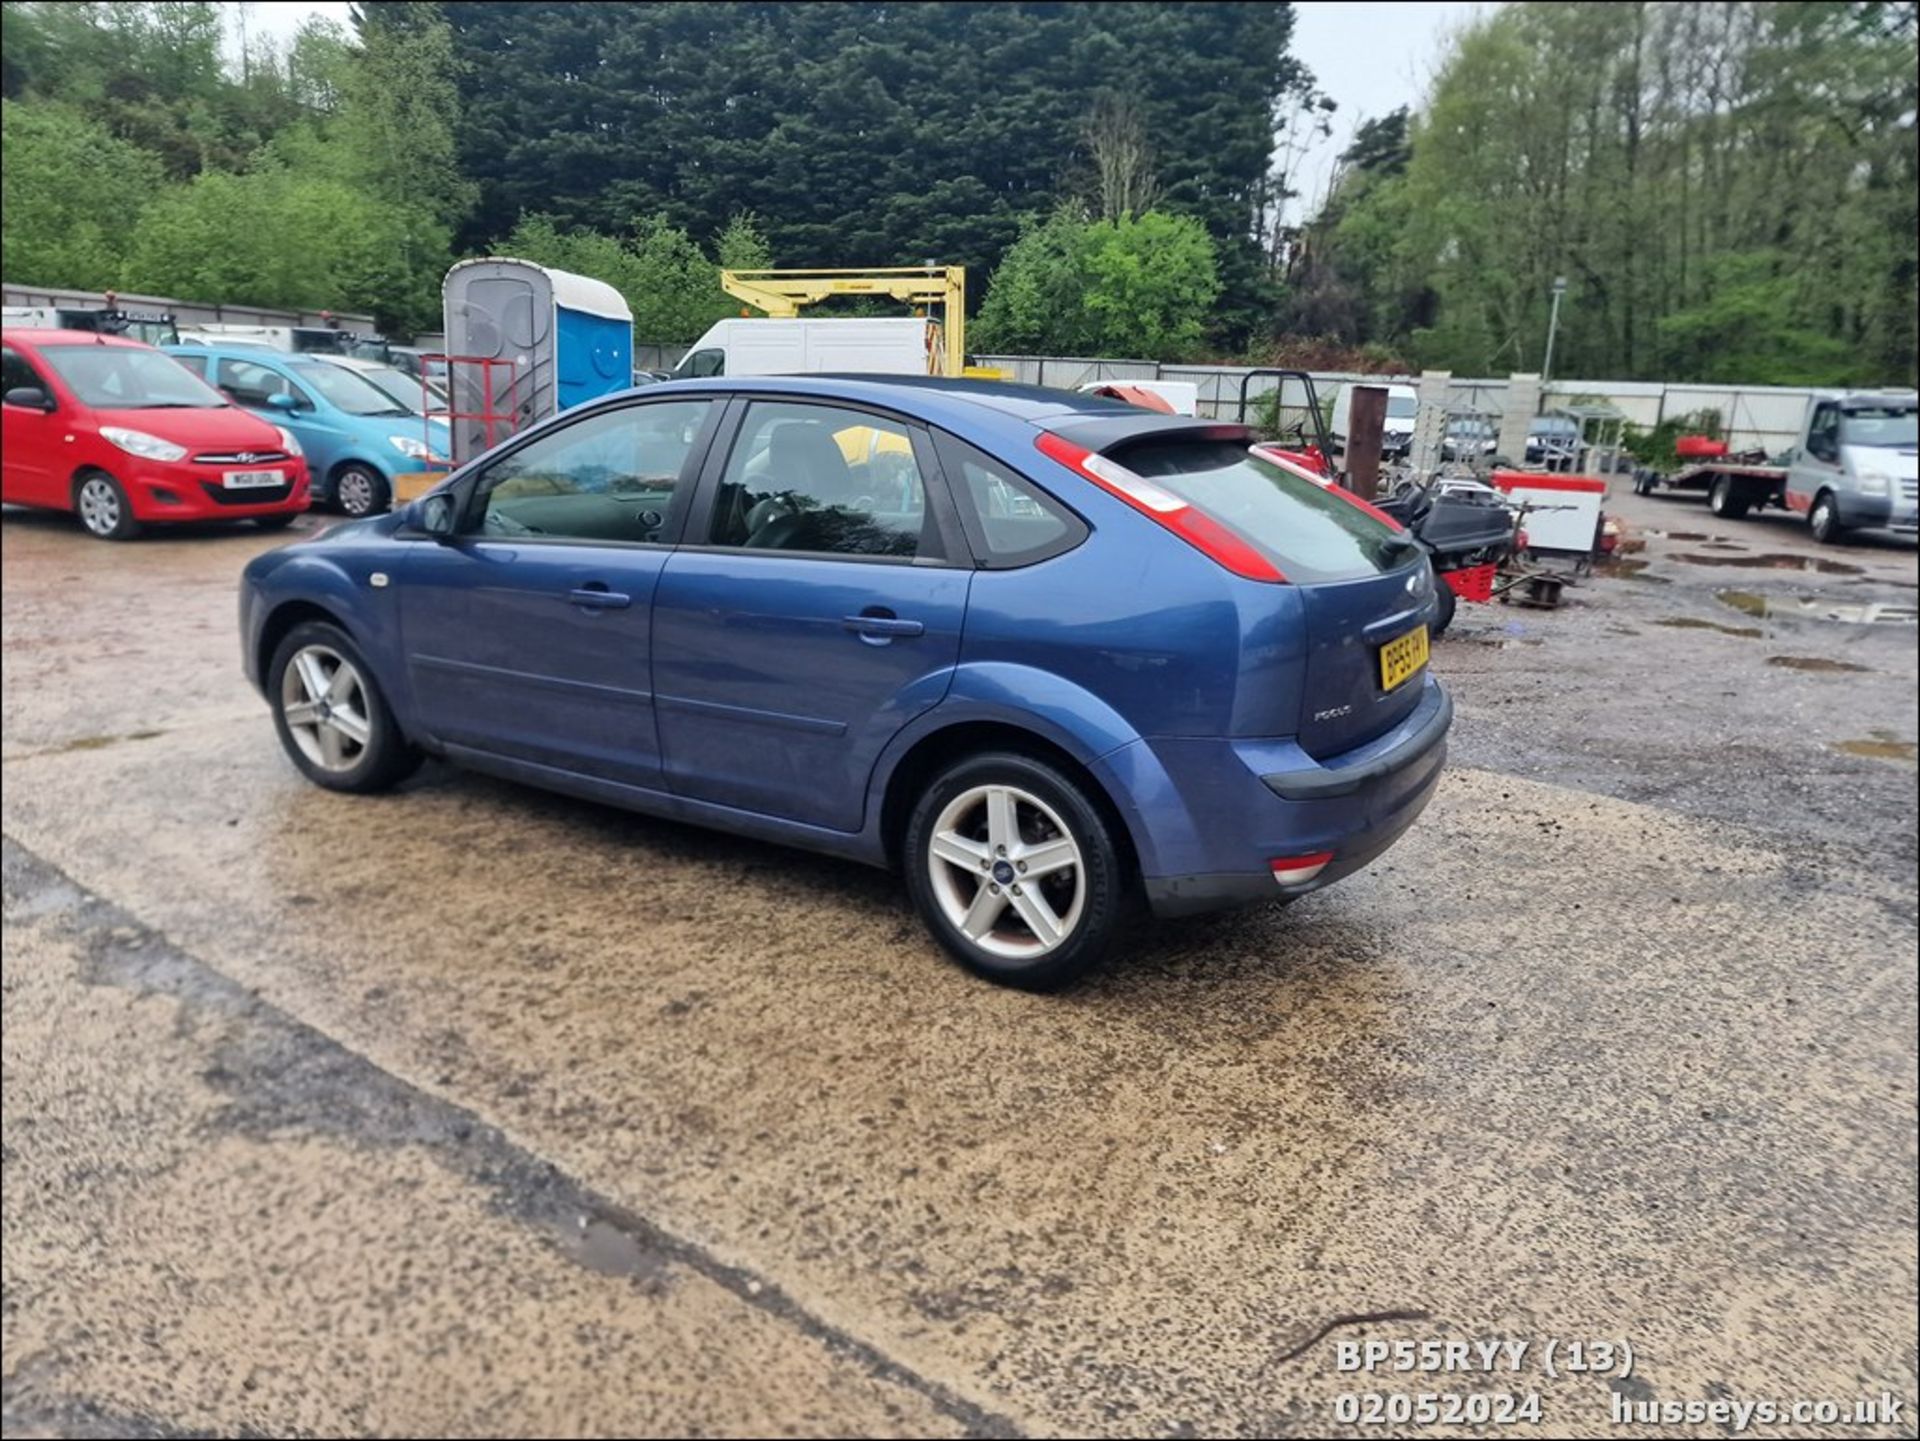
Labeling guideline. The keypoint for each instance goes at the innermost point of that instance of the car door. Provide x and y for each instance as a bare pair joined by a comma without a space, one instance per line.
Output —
814,609
1816,462
527,633
29,437
253,384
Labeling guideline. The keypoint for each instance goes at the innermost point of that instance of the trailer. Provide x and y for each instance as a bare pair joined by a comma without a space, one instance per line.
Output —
1732,488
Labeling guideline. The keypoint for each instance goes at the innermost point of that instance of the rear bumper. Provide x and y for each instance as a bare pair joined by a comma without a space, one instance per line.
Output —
1249,802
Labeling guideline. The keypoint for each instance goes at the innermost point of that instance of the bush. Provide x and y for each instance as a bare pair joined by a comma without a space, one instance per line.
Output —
1140,287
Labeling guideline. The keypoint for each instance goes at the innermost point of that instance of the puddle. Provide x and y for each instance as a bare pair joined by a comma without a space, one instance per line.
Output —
1816,663
1748,603
1681,535
1883,746
1722,545
1687,622
1744,601
1777,560
1621,568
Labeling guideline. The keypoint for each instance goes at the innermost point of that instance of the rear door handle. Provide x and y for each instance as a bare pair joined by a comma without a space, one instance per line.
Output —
882,625
594,595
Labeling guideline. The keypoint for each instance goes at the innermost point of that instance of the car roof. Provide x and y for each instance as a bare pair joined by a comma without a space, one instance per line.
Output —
255,353
31,335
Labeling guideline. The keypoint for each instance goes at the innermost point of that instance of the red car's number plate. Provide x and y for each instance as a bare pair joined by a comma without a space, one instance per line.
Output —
252,479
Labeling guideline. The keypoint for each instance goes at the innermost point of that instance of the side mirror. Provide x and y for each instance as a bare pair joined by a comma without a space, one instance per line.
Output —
282,401
29,397
434,515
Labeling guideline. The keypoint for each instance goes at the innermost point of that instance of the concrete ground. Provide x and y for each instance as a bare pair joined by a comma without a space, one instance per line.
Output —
473,1110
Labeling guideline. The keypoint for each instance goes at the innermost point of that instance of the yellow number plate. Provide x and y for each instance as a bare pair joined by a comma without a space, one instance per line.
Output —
1402,657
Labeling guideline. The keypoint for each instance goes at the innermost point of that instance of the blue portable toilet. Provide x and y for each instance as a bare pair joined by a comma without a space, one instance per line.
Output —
565,339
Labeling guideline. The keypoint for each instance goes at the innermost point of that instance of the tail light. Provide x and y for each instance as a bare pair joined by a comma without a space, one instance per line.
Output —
1292,870
1195,527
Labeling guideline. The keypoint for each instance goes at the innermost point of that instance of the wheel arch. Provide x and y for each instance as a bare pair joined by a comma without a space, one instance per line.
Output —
283,618
947,744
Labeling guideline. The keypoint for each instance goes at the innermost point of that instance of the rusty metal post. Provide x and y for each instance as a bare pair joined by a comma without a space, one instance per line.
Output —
1366,428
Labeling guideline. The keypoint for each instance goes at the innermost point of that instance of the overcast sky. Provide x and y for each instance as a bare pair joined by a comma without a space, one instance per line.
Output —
1369,57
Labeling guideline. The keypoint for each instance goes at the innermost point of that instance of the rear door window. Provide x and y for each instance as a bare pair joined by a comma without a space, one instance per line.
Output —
820,479
1309,533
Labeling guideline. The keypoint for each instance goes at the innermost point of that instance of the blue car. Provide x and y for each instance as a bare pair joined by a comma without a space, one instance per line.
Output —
1049,655
357,438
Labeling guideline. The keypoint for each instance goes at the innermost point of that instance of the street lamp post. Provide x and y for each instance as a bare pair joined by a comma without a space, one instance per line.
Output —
1553,325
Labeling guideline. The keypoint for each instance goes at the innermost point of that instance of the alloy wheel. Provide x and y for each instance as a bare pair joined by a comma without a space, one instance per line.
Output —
1006,871
325,704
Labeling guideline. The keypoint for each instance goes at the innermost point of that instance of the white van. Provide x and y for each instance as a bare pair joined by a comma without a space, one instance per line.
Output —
1403,408
802,346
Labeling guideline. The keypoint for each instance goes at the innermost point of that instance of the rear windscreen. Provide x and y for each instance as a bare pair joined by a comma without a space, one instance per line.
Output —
1310,534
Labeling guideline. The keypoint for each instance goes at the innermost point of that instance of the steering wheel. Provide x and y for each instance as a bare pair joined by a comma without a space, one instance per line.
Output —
766,512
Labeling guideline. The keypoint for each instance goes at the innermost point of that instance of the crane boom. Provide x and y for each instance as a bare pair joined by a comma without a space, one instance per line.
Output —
784,292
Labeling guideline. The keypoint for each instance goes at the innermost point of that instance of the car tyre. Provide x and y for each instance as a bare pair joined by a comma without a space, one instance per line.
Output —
360,490
1446,603
102,505
333,720
970,840
1824,519
1724,502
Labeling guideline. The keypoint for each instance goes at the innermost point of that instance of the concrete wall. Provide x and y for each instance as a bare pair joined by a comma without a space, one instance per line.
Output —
1764,416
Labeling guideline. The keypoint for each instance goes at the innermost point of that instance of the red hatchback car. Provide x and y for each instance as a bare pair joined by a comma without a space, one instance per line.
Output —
124,435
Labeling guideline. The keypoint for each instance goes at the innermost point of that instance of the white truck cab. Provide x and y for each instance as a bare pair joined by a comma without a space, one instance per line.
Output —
1403,410
1855,464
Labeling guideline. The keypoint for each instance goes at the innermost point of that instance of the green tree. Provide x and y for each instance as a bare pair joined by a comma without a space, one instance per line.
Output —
66,191
1728,188
1136,286
671,284
869,134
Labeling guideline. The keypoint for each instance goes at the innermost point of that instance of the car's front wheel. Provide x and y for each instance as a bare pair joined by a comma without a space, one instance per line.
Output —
103,508
360,490
1016,870
1824,519
333,720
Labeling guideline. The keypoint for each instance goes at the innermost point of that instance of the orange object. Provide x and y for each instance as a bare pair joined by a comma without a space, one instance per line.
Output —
1135,395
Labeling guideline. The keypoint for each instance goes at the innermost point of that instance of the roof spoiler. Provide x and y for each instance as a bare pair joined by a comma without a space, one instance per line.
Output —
1115,434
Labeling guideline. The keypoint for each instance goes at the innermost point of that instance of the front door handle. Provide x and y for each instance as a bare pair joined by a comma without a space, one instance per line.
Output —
881,627
594,595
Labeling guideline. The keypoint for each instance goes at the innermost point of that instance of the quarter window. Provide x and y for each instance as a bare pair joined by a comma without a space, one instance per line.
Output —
1009,521
611,477
17,372
822,479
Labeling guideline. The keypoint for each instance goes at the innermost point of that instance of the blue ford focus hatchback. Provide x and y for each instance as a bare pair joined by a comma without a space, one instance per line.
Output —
1048,655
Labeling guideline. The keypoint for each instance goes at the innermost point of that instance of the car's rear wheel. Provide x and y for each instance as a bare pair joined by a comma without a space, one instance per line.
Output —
1824,519
360,490
1016,870
334,723
1448,602
103,508
1724,501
